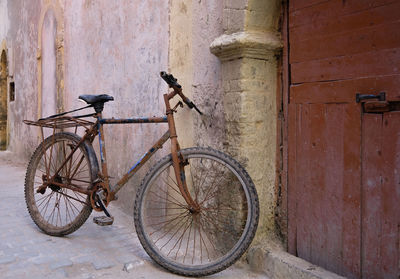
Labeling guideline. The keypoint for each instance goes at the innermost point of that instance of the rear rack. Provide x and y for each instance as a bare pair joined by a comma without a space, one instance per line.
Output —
61,122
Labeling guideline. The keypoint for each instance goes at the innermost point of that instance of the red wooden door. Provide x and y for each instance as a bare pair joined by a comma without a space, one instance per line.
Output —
343,163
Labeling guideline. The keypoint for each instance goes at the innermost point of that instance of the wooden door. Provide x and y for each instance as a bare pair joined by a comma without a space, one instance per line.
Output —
338,216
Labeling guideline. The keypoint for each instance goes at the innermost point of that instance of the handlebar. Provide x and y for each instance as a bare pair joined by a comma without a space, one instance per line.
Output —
170,80
173,83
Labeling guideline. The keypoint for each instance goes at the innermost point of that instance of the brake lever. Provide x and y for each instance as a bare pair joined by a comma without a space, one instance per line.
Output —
194,106
191,105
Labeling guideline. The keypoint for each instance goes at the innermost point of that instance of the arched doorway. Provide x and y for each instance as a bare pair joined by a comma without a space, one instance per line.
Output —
3,101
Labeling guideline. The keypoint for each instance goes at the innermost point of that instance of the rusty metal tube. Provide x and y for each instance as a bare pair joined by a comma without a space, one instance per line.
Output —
174,153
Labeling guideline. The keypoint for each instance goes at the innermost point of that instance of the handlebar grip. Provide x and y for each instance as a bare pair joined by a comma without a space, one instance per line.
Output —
170,80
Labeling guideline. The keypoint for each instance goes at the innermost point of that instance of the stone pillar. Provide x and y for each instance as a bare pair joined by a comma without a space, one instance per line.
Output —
248,52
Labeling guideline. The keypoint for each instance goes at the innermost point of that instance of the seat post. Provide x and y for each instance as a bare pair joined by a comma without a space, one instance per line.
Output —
102,146
98,107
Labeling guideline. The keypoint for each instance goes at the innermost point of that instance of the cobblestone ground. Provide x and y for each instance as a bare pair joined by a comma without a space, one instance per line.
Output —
90,252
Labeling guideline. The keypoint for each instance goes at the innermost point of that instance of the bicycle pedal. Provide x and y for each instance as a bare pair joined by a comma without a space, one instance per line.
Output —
103,220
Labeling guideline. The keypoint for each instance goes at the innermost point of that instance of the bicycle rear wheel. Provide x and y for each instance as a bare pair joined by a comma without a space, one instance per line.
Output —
197,243
55,210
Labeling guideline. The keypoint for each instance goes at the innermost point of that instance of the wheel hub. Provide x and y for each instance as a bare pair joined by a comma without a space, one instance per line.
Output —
57,179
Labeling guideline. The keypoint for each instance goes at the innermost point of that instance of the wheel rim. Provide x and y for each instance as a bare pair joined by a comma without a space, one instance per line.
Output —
196,239
60,207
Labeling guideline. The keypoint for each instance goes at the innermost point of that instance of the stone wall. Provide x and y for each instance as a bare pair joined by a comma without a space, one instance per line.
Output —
193,26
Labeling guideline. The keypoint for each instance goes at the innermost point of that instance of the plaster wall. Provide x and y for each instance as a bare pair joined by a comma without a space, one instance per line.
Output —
49,64
193,26
100,47
4,20
119,48
207,76
21,37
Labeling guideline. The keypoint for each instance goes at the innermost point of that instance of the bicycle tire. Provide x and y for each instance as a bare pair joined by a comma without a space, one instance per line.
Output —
60,211
233,204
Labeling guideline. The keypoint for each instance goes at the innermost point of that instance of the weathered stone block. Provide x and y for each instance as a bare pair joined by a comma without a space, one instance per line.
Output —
236,4
263,15
233,20
248,85
231,69
253,107
254,68
232,106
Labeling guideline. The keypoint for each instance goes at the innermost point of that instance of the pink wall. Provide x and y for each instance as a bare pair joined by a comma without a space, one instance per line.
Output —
119,48
49,63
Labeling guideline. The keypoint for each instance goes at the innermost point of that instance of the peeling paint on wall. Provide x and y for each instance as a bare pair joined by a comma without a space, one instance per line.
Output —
49,64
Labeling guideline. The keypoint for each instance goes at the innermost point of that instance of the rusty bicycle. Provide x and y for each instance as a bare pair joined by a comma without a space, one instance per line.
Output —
196,210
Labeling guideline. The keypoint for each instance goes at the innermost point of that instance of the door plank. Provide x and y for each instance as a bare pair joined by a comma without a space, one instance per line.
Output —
344,91
292,185
371,195
346,23
371,64
316,188
391,195
381,195
303,203
357,41
351,190
334,175
301,4
312,15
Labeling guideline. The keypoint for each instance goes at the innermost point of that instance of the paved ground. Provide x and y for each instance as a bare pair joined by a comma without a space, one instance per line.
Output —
91,252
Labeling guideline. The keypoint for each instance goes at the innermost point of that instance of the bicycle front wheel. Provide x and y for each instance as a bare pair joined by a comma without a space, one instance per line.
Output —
197,243
55,210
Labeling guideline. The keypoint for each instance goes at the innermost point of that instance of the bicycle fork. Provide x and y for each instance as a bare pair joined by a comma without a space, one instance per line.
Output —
178,162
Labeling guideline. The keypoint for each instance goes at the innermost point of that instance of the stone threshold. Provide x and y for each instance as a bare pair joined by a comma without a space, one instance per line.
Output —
282,265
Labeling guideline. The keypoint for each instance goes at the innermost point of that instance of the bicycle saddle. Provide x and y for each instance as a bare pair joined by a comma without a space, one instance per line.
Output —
97,101
92,99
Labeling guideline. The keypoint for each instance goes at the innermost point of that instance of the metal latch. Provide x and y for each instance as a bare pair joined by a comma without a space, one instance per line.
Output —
361,97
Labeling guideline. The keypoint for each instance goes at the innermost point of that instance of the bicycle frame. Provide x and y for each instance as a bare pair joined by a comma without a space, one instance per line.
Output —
103,182
139,120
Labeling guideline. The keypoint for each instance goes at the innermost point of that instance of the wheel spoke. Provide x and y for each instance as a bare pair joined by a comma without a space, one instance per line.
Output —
195,237
175,203
172,227
172,236
57,208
